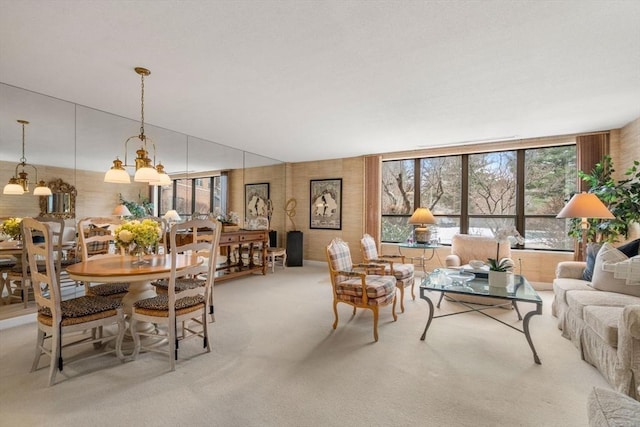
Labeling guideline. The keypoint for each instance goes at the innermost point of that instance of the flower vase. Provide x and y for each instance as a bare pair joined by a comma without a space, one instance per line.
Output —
499,279
139,252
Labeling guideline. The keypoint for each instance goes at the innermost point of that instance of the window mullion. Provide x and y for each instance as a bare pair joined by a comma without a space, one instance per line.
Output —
464,199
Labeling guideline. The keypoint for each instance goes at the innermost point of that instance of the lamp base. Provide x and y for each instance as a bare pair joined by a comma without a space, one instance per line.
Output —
423,235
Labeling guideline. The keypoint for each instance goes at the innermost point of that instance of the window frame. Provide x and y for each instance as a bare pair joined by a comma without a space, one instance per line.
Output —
520,217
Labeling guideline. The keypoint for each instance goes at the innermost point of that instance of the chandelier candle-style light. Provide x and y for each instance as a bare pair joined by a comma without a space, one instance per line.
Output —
146,169
19,183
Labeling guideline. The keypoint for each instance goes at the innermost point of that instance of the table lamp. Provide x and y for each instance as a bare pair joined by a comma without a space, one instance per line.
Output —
172,217
585,205
121,211
422,217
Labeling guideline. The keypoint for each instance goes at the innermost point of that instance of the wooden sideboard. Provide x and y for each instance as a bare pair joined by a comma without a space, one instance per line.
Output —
239,250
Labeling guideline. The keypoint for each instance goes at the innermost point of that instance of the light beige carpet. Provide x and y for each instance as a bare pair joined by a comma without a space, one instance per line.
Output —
277,362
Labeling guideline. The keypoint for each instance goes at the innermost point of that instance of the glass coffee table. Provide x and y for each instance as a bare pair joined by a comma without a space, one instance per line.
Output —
459,283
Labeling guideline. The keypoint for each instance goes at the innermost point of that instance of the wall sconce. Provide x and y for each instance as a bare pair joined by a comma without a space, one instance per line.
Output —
585,205
146,171
19,183
422,217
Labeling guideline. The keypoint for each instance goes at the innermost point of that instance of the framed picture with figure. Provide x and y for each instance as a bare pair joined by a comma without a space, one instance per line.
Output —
325,211
256,199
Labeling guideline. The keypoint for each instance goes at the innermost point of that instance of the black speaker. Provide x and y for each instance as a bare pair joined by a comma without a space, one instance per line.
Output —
294,249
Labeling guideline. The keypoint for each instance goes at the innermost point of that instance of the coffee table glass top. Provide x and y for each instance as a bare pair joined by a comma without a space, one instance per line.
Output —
453,281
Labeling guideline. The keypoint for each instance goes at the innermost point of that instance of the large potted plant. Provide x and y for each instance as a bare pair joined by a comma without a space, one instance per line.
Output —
621,197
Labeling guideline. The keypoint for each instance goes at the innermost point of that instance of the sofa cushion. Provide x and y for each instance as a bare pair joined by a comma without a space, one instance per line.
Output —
605,280
562,286
592,252
604,322
631,248
578,300
610,408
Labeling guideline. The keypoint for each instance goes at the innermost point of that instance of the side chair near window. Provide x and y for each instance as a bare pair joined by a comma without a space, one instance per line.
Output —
404,273
352,284
182,311
96,239
79,320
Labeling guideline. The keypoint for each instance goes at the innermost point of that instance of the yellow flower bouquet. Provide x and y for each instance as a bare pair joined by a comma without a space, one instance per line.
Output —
138,237
11,227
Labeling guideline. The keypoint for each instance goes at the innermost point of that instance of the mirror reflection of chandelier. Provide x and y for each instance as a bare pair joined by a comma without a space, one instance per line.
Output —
146,170
19,183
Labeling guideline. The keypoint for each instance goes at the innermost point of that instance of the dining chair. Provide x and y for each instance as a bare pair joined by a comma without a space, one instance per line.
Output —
96,239
353,284
182,311
78,320
394,265
19,277
191,281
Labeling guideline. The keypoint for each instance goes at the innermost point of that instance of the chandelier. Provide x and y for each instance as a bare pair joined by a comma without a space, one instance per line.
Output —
146,169
19,183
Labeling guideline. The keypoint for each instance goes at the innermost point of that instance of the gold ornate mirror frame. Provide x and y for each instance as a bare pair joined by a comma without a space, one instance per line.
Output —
62,202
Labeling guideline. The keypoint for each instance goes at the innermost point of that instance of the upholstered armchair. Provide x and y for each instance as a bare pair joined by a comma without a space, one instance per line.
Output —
359,285
394,265
467,247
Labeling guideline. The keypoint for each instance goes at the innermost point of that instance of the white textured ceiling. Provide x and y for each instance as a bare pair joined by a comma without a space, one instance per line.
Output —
307,80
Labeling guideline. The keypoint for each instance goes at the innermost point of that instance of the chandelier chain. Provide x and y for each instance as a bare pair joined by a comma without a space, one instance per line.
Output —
142,108
23,159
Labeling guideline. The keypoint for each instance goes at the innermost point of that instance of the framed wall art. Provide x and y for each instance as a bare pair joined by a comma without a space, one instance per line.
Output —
256,199
326,204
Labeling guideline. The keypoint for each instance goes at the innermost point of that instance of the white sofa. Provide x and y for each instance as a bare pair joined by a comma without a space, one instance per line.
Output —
601,317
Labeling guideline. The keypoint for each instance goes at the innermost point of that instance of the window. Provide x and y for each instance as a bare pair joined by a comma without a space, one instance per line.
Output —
193,195
549,179
479,193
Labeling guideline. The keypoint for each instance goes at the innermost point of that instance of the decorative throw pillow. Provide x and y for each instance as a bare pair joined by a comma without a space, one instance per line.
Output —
631,248
605,280
592,251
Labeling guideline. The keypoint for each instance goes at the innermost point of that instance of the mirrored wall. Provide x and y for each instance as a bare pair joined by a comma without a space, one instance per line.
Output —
77,144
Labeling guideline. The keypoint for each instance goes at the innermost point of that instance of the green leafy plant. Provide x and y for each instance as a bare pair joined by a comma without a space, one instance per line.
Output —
138,210
622,198
503,265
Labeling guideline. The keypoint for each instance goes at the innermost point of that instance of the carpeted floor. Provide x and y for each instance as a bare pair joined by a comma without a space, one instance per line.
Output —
277,362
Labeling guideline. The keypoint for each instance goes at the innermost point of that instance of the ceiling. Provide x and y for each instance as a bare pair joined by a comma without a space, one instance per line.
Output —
310,80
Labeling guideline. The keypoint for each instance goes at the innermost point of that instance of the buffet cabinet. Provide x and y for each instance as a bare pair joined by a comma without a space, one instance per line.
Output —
242,252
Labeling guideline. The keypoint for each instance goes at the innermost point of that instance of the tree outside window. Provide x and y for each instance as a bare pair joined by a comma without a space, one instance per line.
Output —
525,188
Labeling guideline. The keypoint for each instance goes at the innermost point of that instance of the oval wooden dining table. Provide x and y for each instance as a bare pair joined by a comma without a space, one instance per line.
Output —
121,268
117,268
